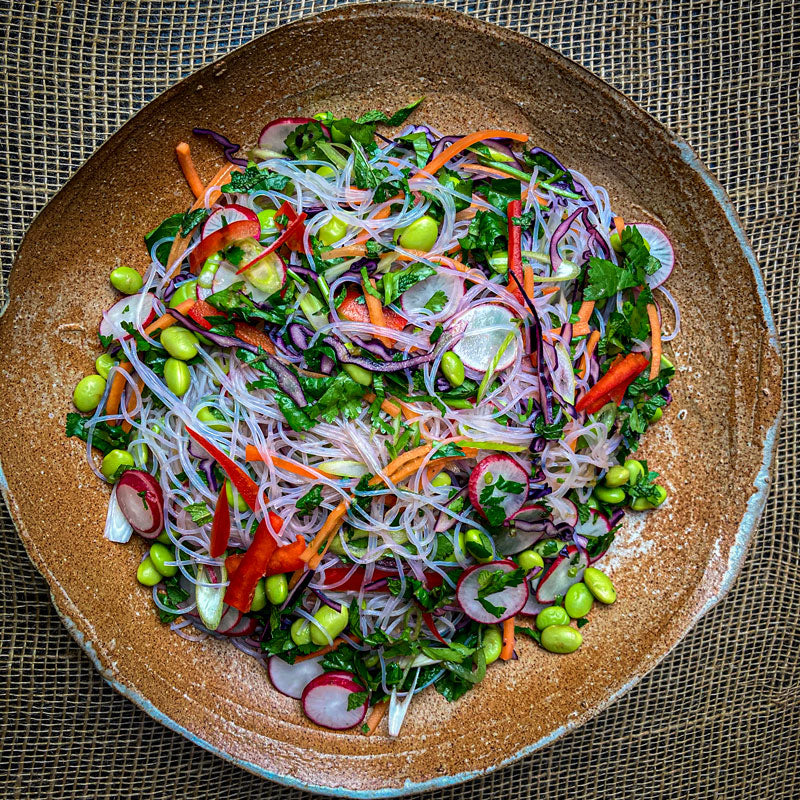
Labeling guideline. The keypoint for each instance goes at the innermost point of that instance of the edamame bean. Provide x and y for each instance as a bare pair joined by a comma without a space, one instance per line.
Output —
334,622
301,631
611,496
103,365
547,548
372,661
453,368
259,596
662,495
592,503
529,559
578,600
561,639
492,644
183,293
641,504
326,172
442,479
213,418
235,497
267,220
147,574
140,452
163,537
478,545
179,342
498,261
459,548
615,242
160,554
617,476
657,414
552,615
126,280
177,376
89,392
599,584
113,460
421,234
358,374
635,469
277,589
332,231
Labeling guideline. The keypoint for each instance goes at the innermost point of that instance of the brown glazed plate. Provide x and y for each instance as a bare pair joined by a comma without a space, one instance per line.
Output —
669,566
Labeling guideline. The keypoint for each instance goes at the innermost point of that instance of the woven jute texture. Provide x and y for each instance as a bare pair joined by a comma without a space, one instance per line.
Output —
719,717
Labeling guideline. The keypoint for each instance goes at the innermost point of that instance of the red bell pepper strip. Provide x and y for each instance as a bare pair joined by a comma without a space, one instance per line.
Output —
286,558
242,482
222,238
333,575
247,333
427,618
200,310
291,229
295,241
620,374
253,565
515,248
220,526
354,311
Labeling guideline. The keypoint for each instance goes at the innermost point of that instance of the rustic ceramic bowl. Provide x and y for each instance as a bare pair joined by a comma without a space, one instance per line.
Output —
713,447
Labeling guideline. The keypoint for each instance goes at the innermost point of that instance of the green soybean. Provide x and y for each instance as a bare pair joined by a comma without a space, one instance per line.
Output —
333,622
177,376
635,469
498,261
547,548
89,392
442,479
326,172
160,554
358,374
641,504
234,497
420,234
592,503
477,544
529,559
147,574
578,600
611,496
662,495
552,615
113,460
492,644
179,343
301,631
103,365
259,597
332,231
561,639
277,589
599,584
183,293
212,418
615,242
126,280
163,537
453,368
617,476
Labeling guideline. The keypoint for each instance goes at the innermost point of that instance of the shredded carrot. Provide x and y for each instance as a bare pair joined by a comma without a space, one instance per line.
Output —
619,224
374,719
594,338
508,639
247,333
337,515
390,408
655,333
585,311
410,455
578,329
329,648
184,154
131,404
462,144
351,251
364,236
313,562
549,290
376,315
527,279
252,454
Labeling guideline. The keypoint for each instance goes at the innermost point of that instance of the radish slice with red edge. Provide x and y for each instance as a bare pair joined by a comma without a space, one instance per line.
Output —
273,135
414,299
533,606
660,248
518,537
229,619
485,328
597,525
292,679
557,579
245,626
142,502
502,474
225,216
137,310
326,697
511,599
563,510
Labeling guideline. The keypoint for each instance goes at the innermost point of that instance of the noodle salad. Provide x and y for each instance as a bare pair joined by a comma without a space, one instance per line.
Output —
373,405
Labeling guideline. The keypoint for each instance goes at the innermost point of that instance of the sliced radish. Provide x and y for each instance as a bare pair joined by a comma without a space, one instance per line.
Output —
273,136
209,598
533,606
512,598
142,502
226,276
484,329
244,627
563,510
137,310
325,701
224,216
523,530
488,472
229,619
557,579
413,300
563,373
117,529
597,525
660,248
292,679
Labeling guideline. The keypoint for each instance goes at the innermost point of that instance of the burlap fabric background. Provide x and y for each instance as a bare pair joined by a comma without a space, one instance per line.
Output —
719,718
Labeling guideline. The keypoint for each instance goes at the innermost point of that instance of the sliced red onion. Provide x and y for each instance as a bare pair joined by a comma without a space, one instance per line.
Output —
345,357
337,607
222,341
229,149
561,183
561,231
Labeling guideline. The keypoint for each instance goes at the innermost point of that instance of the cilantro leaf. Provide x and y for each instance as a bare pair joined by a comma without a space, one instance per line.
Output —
484,232
492,581
449,450
301,142
360,132
552,431
343,396
606,279
356,700
365,176
398,118
233,302
546,163
172,595
436,302
199,513
310,500
643,385
253,179
533,633
105,437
